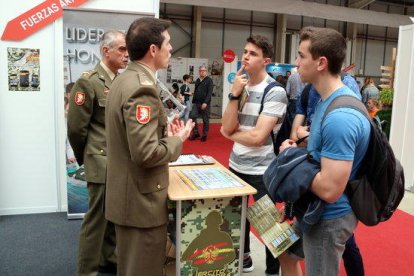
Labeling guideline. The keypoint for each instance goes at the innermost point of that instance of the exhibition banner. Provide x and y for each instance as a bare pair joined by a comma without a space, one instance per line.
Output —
37,18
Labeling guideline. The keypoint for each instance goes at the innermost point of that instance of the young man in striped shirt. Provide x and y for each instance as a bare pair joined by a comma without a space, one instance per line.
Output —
253,147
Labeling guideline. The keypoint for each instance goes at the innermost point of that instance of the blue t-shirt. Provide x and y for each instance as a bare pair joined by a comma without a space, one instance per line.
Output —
314,98
347,142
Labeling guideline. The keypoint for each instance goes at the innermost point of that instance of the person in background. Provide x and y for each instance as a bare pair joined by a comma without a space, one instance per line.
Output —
294,88
186,93
369,91
282,80
176,90
141,143
373,107
253,147
201,103
86,132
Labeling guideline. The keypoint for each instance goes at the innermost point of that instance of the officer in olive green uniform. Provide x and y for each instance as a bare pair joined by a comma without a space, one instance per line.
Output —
86,133
140,146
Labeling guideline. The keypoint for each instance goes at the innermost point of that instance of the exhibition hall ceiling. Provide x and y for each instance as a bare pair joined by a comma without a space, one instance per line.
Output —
401,2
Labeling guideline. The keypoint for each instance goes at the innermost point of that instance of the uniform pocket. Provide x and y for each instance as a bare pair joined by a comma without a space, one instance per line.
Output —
102,102
96,149
155,180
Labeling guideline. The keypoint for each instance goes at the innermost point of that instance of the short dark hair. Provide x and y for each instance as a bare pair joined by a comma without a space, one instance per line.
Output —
143,33
175,86
69,87
326,42
263,43
186,77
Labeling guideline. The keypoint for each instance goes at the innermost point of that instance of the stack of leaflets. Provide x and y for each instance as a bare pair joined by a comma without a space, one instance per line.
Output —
264,217
199,179
192,159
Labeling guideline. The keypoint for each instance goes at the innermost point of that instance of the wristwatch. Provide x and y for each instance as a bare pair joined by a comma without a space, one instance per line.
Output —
231,97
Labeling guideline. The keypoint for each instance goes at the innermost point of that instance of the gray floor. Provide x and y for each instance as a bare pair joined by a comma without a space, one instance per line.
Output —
46,244
257,248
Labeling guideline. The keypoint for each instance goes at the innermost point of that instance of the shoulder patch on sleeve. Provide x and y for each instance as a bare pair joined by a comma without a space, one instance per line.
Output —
80,98
143,114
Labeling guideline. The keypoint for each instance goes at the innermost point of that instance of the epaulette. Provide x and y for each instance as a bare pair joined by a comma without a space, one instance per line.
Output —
145,80
89,73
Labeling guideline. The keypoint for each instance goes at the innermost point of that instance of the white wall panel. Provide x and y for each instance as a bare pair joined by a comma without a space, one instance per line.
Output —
402,128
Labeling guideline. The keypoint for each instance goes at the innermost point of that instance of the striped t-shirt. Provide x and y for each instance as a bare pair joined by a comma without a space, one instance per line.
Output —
255,160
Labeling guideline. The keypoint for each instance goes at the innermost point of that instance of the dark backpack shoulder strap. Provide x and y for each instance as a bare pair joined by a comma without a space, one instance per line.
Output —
349,102
267,89
304,97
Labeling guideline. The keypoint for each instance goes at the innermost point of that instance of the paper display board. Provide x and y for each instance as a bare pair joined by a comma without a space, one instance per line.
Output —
24,69
82,31
180,66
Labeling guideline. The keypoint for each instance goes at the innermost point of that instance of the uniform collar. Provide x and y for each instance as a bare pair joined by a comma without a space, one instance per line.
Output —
135,65
108,71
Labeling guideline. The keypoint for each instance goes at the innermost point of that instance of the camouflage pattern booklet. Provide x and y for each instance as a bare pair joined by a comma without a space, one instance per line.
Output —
264,217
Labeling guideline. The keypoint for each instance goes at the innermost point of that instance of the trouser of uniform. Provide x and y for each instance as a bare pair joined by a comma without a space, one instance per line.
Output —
141,251
272,263
97,235
205,114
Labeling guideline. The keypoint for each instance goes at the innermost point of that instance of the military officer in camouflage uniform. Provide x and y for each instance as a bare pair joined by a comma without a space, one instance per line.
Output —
140,146
86,133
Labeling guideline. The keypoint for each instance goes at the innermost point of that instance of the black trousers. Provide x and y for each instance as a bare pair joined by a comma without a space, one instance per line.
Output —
196,111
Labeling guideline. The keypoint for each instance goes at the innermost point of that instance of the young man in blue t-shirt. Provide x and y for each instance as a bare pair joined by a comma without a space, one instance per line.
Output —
300,128
339,150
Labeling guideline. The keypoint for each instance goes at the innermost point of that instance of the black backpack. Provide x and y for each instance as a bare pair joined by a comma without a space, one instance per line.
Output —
379,185
285,128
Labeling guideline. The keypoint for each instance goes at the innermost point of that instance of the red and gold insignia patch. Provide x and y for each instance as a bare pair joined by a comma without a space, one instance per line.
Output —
143,114
79,98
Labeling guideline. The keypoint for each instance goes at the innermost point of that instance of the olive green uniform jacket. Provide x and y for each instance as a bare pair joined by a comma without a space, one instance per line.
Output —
138,151
86,122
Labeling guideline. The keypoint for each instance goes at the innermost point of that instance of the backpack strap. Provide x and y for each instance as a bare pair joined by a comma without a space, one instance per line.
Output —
267,89
349,102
